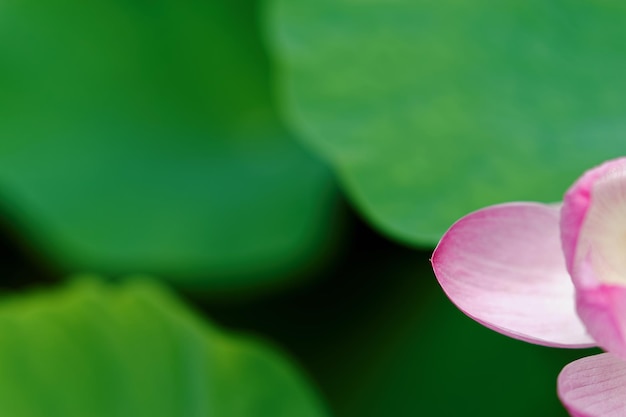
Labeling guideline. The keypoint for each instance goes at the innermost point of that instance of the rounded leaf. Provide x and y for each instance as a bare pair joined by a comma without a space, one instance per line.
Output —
432,109
95,350
142,137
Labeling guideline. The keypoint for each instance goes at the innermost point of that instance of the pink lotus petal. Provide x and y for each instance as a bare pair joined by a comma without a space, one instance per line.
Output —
603,310
575,205
503,266
593,231
594,386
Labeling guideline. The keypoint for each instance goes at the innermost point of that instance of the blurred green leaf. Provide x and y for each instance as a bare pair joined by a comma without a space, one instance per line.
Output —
95,350
142,137
431,109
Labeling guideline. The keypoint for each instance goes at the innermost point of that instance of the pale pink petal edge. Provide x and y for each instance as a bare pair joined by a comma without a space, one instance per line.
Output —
594,386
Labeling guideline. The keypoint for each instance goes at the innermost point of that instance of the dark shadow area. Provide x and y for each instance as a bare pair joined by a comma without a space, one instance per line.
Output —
323,323
22,266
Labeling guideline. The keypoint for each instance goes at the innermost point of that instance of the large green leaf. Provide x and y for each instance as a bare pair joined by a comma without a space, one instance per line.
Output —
143,137
430,109
94,350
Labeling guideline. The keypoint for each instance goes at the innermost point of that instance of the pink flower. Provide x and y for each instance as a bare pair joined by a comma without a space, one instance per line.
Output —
554,275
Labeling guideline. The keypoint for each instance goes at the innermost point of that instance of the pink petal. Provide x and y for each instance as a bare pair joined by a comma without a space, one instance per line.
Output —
603,310
593,232
576,203
503,266
594,386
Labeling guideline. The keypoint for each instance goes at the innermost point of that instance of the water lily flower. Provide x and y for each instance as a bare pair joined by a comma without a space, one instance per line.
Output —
554,275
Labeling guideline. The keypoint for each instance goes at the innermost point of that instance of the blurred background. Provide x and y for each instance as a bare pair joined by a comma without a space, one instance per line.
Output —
227,208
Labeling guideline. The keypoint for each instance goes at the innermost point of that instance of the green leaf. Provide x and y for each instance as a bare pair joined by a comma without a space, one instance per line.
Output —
96,350
144,137
431,109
